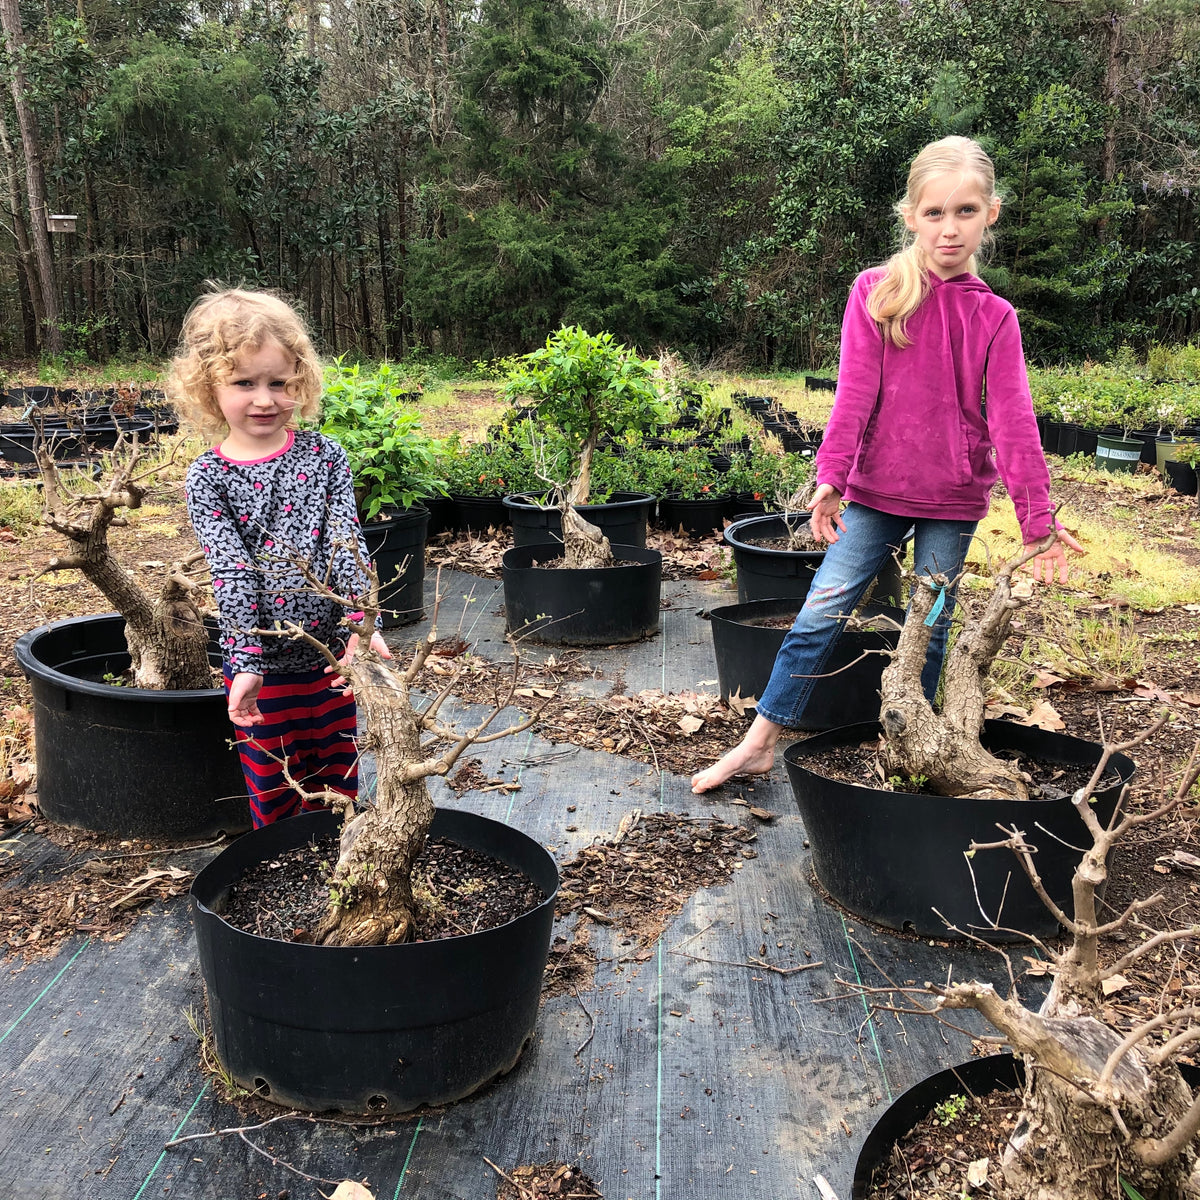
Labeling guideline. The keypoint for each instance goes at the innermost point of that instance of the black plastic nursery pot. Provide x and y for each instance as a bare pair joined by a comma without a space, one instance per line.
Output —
975,1077
372,1029
397,548
765,573
699,517
598,606
1181,477
894,857
849,692
622,519
478,514
121,760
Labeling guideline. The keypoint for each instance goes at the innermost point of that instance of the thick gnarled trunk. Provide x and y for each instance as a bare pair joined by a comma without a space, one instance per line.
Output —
944,748
584,545
371,890
167,640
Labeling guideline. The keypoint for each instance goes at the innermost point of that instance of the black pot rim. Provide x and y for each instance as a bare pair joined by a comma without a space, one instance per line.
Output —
393,515
527,500
25,652
980,1076
738,534
202,883
636,558
845,734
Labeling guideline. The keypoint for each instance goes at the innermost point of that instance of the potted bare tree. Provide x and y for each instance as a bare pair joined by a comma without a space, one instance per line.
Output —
579,590
1105,1110
132,734
360,1015
934,783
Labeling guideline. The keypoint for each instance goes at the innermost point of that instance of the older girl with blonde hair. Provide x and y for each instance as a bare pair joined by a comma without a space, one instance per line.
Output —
910,444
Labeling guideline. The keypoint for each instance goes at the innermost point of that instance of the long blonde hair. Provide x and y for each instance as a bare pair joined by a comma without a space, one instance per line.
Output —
905,281
219,327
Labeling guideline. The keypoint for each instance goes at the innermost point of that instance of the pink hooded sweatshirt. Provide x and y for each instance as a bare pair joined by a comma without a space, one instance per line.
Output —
908,434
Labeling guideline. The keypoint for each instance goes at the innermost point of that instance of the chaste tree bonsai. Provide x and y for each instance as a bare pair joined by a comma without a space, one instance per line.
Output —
166,636
586,387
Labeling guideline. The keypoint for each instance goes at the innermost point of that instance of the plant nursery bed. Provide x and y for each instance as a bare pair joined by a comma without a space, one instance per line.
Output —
696,1037
699,1034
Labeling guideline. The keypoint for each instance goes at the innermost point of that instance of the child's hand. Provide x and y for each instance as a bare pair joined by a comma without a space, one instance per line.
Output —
377,644
826,509
243,699
1053,561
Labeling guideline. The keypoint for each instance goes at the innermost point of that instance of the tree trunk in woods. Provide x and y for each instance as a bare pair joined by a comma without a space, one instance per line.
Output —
168,644
35,180
944,747
32,316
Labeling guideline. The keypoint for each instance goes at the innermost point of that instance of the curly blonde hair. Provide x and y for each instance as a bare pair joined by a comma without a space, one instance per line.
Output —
220,327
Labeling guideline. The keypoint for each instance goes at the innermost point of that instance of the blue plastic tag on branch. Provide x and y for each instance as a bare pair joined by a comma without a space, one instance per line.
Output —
938,605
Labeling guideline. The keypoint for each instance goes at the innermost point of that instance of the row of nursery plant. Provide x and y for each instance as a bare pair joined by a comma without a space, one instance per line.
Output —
1106,396
684,444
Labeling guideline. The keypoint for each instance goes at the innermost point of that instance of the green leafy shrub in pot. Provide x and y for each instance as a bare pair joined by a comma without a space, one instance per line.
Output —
766,474
690,475
586,386
498,467
393,461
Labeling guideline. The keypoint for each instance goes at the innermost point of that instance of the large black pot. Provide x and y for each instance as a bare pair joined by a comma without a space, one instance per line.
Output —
894,857
127,761
478,514
396,544
598,606
623,519
976,1077
372,1029
698,517
764,573
1181,477
849,692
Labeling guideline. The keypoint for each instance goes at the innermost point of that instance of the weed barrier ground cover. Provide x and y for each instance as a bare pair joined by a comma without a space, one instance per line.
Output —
681,1069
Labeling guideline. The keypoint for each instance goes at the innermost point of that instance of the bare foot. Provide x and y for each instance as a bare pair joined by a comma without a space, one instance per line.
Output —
743,758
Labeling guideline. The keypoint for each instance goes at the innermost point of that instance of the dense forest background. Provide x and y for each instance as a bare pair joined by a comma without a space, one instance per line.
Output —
462,177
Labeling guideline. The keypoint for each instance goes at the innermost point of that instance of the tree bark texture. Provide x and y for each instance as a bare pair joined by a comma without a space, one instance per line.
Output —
944,747
167,640
372,884
35,177
1067,1142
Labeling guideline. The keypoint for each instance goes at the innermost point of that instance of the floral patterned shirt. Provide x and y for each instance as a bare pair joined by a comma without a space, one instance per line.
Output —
256,522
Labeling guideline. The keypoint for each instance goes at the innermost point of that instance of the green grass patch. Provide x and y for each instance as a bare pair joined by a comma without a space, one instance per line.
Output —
1118,562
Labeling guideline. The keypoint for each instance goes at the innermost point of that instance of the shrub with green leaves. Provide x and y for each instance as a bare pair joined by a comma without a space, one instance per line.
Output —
391,458
765,474
586,386
499,467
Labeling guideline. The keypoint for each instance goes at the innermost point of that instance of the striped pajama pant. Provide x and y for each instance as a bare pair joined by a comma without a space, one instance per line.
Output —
310,727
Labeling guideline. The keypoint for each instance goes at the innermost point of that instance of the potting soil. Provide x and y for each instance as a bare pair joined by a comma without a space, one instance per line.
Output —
728,1055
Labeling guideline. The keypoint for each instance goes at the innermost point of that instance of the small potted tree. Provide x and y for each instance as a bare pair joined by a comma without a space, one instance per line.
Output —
585,387
1107,1106
935,782
394,467
357,1013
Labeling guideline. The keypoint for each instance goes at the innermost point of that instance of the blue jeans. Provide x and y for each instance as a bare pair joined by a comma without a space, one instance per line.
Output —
849,566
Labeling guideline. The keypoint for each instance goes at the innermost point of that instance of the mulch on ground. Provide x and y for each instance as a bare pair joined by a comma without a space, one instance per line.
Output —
546,1181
